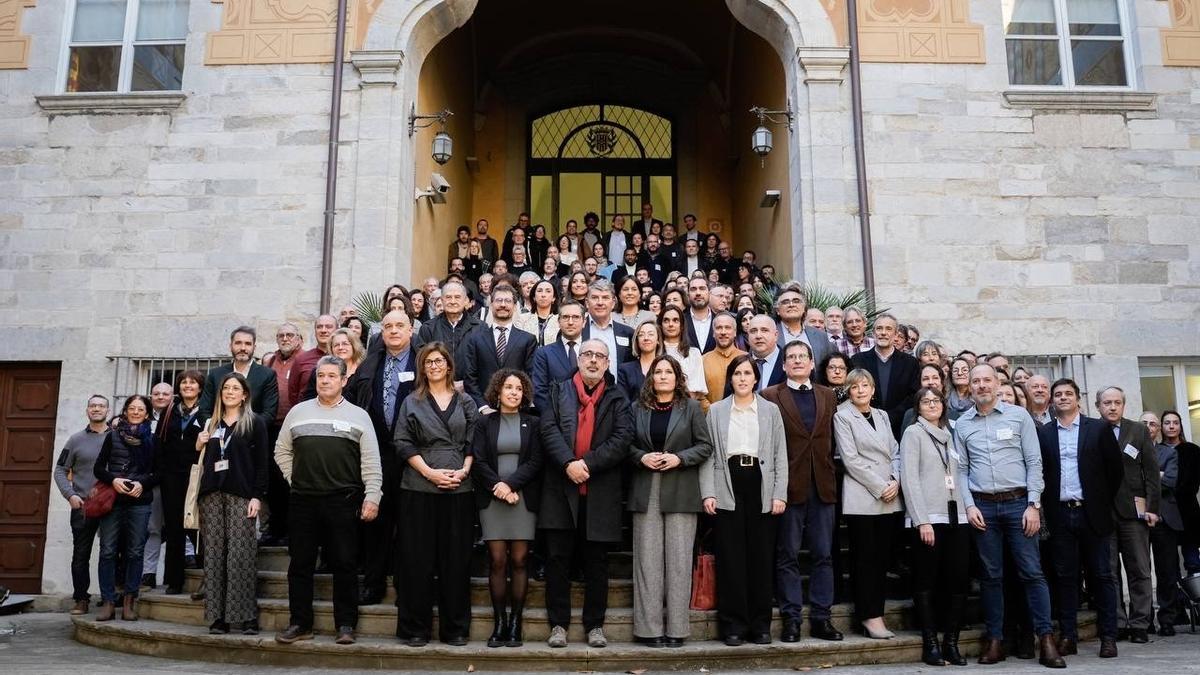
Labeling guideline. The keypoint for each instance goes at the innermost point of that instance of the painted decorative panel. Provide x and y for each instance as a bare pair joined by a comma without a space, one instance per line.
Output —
1181,42
14,47
284,31
911,31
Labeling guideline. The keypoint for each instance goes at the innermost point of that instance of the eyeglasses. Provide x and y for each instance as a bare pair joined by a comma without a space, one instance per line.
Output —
800,358
599,356
929,402
285,336
435,363
835,369
790,301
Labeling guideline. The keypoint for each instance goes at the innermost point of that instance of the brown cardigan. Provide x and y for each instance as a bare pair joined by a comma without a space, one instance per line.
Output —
810,451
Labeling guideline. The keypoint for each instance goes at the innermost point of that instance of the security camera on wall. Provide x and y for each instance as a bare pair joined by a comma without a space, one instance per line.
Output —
438,183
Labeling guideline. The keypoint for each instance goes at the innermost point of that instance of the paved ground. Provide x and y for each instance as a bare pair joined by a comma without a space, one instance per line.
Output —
41,644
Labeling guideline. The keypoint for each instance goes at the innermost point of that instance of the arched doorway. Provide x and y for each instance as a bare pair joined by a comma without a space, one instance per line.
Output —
601,158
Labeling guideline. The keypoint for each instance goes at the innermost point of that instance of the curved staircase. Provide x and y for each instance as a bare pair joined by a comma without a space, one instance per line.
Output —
173,626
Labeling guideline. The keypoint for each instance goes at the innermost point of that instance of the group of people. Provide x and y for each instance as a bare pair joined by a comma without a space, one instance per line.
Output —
541,408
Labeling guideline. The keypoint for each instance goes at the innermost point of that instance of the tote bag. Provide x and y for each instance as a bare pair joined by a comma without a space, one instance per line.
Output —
704,582
191,501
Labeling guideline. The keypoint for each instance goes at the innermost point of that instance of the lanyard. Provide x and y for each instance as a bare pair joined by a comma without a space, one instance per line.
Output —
943,453
226,436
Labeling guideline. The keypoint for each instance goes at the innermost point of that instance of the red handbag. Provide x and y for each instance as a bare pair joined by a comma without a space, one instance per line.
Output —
704,582
99,500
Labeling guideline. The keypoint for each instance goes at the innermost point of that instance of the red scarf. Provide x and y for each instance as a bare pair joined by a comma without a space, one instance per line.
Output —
587,419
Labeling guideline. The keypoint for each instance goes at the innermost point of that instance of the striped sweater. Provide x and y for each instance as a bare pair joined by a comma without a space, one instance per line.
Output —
326,450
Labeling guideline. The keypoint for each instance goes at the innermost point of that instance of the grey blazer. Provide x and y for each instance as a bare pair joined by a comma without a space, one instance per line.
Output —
872,459
687,438
772,455
923,448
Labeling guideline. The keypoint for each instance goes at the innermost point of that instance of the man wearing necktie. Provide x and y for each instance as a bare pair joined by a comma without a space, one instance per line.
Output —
557,361
379,386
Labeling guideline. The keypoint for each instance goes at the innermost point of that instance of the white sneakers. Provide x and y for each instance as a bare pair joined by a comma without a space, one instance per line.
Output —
558,637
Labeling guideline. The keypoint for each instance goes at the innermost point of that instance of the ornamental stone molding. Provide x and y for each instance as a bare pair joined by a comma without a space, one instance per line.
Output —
1180,42
14,46
284,31
912,31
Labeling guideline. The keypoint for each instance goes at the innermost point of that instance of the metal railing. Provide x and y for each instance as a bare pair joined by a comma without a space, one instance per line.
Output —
1054,366
138,374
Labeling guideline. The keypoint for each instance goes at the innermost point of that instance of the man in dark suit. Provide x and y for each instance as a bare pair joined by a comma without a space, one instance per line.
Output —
808,520
656,261
264,386
556,361
586,435
628,265
599,324
1135,511
763,337
897,375
647,222
454,324
1082,469
791,304
385,378
700,317
501,345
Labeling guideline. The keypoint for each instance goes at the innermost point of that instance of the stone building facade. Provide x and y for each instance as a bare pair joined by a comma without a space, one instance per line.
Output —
1035,220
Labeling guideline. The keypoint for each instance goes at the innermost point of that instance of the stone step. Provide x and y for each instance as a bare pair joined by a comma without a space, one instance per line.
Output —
193,643
620,563
380,620
273,584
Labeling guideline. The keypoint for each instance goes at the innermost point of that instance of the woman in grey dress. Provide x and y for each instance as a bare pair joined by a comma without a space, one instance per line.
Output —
508,471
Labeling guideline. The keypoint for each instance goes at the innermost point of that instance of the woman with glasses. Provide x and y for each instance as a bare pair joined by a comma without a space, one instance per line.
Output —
959,392
434,430
832,373
941,537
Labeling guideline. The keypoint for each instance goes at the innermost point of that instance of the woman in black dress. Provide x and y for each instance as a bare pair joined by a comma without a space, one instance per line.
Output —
508,467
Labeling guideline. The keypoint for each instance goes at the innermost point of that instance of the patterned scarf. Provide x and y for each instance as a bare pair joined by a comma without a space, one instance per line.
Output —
587,419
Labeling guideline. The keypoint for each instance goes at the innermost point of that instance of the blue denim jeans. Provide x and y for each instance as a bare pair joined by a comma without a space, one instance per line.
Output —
1004,529
132,521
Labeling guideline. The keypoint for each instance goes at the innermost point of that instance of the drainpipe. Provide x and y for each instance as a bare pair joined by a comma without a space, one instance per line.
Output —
331,172
860,153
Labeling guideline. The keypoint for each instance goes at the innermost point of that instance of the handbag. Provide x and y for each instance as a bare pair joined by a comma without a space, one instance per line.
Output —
99,501
191,500
704,582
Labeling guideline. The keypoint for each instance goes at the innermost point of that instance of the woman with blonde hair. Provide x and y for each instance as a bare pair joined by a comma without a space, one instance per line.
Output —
234,483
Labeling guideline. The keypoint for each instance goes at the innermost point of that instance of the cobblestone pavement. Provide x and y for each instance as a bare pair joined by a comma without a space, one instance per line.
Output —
41,644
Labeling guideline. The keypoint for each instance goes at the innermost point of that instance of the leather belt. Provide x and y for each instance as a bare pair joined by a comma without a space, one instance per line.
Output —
1072,503
1006,496
743,460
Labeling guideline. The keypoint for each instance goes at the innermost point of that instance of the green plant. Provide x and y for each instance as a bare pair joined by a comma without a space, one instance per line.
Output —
369,306
823,297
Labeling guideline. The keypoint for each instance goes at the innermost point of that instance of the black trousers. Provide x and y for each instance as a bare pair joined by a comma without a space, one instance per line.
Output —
174,491
745,556
379,539
277,493
1164,542
944,568
83,537
330,523
436,535
871,540
560,546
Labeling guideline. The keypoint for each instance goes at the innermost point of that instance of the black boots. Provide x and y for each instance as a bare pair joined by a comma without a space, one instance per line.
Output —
931,654
513,638
499,628
954,614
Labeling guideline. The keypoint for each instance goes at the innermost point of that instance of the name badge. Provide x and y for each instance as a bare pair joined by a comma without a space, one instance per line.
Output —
657,267
221,465
218,433
1004,434
949,482
341,426
623,341
1131,451
407,376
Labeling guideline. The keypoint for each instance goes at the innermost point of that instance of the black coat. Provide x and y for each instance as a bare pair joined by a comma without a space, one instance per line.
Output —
365,390
438,329
477,360
527,477
904,382
264,390
631,378
1100,473
707,342
550,364
610,447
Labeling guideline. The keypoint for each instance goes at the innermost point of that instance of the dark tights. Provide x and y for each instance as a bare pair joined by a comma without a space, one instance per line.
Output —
508,558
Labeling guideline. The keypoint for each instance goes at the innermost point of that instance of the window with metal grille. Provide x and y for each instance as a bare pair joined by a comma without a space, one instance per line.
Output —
601,132
138,374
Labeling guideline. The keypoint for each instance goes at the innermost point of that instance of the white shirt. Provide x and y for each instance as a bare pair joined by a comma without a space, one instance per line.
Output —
693,264
617,242
508,330
743,430
702,328
692,366
609,337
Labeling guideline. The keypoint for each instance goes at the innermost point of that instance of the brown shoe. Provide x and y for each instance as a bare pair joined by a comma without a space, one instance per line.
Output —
1108,649
81,607
993,652
106,612
1050,656
1067,647
129,609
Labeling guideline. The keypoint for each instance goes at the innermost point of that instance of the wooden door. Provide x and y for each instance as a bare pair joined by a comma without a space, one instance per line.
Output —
28,407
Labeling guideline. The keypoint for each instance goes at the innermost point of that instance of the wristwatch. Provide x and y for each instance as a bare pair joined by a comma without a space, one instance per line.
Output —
1036,505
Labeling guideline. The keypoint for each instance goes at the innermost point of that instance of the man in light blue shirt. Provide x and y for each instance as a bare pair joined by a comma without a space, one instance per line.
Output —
1003,474
1068,448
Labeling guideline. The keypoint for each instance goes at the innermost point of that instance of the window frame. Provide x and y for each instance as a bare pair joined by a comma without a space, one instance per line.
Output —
1066,60
1179,371
127,44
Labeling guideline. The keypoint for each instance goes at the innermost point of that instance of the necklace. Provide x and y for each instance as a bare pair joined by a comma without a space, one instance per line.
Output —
663,407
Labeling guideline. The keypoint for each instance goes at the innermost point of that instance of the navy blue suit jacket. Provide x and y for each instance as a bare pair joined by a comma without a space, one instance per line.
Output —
550,364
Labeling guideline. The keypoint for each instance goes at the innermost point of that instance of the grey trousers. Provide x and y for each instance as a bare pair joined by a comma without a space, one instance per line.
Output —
662,570
1132,549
